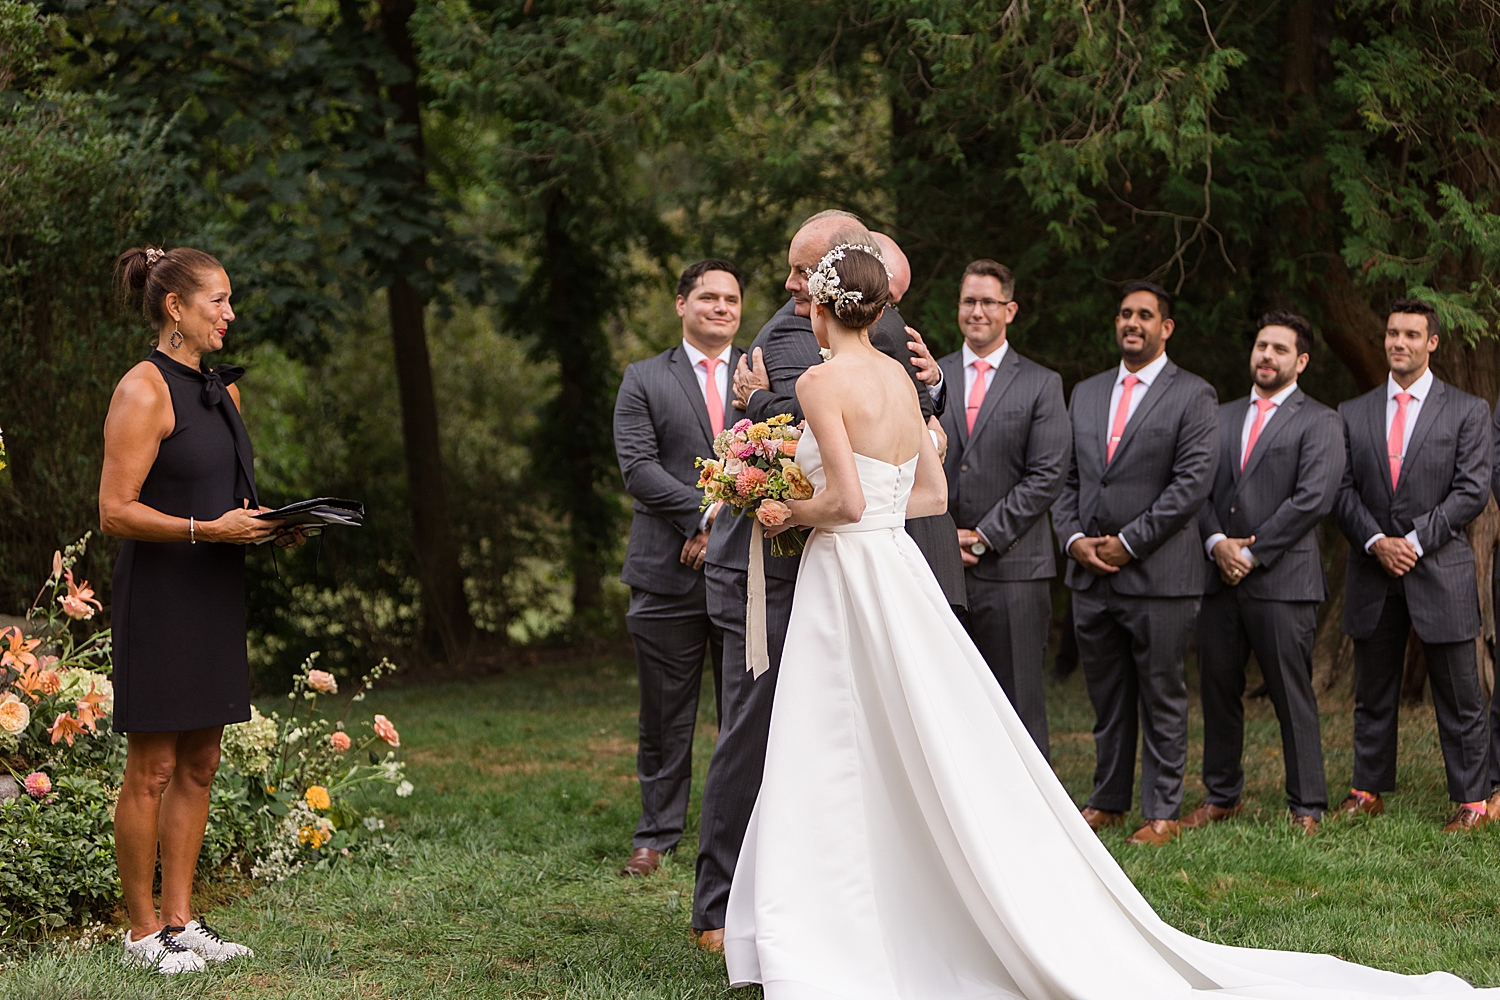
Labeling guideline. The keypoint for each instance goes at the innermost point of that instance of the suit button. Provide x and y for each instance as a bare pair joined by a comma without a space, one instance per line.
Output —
963,468
1234,510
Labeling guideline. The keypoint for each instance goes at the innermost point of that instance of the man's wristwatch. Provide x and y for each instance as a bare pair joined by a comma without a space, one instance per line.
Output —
978,549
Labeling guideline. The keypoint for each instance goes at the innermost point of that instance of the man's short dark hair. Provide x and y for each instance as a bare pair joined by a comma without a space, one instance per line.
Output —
1292,321
691,276
1163,297
1418,307
996,270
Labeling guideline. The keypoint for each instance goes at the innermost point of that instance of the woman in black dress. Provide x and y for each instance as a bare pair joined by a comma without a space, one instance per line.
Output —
179,486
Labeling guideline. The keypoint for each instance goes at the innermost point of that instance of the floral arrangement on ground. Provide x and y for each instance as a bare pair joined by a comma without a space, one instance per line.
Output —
284,797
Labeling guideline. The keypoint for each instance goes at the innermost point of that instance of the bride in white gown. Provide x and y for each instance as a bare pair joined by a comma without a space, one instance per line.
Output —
909,840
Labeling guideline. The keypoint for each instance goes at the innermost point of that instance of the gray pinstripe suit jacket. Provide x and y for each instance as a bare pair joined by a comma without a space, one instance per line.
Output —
1151,493
661,428
1004,477
1444,484
1289,484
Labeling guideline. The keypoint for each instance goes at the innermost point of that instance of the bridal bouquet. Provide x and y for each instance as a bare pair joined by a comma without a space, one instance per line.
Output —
753,471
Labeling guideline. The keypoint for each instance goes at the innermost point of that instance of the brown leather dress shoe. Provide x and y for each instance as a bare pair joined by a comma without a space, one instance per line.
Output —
1309,824
1492,807
1353,805
1209,813
643,861
1156,832
1466,819
710,940
1097,819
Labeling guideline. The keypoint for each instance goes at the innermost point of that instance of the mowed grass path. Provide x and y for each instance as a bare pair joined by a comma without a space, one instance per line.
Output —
506,884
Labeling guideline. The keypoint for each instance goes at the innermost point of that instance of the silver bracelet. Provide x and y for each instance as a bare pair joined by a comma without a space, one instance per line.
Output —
192,531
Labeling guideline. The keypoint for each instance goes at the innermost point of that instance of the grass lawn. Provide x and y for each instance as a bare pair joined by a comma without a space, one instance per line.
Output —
505,884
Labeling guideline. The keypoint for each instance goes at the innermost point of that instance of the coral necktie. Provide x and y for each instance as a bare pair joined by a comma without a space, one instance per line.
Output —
1397,439
1122,414
1265,406
976,394
711,394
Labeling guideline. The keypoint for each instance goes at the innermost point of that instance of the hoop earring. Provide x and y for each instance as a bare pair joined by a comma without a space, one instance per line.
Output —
176,339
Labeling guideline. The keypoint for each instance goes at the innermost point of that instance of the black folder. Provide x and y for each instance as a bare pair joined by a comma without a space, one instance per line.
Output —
321,511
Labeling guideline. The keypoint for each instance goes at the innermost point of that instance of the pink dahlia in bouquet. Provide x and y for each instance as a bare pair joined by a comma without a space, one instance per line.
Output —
754,471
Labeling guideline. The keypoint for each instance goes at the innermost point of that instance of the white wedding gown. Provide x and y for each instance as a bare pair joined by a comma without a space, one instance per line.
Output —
909,840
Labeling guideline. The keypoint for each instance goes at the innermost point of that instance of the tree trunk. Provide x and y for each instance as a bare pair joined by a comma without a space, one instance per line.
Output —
446,604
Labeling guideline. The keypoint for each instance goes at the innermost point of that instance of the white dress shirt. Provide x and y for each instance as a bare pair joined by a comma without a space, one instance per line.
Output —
1250,411
1419,391
721,378
1147,375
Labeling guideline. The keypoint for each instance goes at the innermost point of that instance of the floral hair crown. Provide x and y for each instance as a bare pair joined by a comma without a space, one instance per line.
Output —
823,283
152,256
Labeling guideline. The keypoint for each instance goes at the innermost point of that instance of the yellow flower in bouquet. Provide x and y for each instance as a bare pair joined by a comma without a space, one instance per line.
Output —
317,797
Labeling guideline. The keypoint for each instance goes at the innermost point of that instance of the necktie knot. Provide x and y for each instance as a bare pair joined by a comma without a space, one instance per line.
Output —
1131,381
1402,398
1264,405
982,367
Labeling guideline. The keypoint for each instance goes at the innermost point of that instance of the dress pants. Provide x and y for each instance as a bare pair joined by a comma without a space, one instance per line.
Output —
739,758
1457,700
669,632
1131,651
1280,633
1008,621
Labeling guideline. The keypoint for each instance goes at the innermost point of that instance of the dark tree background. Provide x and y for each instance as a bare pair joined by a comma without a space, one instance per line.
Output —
450,224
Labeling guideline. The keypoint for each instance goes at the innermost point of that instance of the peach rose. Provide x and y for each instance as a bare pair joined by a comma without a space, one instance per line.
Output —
14,715
386,731
772,513
322,682
789,449
340,741
48,682
317,797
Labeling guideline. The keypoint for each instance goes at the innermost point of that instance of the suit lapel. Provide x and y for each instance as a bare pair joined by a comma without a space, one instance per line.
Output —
731,415
1375,422
1279,421
683,369
1004,376
953,375
1154,392
1095,414
1229,438
1426,417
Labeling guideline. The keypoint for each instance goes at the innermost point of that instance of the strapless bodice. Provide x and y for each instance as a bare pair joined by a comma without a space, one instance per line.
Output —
887,487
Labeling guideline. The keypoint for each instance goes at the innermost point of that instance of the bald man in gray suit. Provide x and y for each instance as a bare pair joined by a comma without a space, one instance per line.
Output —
1281,460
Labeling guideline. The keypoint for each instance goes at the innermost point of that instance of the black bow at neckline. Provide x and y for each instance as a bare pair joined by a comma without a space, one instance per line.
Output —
215,379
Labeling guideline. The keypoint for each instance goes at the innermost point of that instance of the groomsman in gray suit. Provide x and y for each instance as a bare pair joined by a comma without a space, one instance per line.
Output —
1145,446
1009,444
1418,471
1281,459
667,414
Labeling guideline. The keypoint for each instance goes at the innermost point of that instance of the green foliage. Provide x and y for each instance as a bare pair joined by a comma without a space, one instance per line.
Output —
58,866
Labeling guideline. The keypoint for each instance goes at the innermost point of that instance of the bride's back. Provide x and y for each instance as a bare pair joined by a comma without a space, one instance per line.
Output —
879,403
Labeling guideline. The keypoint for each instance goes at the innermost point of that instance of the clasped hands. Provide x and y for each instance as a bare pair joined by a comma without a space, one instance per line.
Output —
1101,556
1229,557
1397,556
695,549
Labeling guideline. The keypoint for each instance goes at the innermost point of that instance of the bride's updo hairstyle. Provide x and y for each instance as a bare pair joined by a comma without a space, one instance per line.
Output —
852,281
153,272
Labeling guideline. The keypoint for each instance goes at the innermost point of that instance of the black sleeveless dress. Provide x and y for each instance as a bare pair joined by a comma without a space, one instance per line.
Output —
178,609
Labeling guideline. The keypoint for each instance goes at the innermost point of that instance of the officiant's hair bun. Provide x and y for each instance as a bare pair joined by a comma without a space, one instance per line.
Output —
153,272
864,273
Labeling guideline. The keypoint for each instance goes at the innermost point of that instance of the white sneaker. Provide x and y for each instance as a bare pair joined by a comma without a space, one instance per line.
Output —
162,952
205,942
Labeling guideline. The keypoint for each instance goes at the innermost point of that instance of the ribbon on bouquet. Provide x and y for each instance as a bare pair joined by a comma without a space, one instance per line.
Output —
757,650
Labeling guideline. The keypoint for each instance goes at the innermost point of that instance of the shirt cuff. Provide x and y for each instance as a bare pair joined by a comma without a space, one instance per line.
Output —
1127,546
1248,556
703,521
1212,540
1411,536
935,391
934,437
986,541
1073,538
1373,539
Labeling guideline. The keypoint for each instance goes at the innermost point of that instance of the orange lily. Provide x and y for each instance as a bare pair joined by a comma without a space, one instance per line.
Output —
19,655
90,709
78,598
65,728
